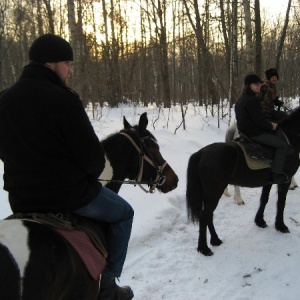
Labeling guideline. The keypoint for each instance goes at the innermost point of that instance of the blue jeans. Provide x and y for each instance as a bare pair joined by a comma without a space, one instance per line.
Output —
109,207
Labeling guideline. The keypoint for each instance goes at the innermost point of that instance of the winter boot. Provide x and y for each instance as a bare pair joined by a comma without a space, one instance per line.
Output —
109,290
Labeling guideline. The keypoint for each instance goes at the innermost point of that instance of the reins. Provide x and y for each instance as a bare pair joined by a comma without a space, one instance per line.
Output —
159,180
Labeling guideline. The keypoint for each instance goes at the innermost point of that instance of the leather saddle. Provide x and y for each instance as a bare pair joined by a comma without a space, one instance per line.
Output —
254,149
86,236
256,156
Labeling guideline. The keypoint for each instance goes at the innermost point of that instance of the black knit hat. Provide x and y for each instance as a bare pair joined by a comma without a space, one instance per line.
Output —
50,48
252,78
271,72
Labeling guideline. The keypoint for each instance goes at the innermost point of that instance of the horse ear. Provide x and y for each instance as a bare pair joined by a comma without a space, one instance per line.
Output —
143,122
126,124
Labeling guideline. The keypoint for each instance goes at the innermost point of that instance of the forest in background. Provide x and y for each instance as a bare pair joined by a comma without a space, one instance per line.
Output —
157,51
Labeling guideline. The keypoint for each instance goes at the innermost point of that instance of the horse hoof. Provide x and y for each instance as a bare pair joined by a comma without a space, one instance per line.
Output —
261,224
206,252
283,228
216,242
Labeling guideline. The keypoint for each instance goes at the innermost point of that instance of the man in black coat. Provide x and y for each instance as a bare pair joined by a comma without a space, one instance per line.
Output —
252,122
52,156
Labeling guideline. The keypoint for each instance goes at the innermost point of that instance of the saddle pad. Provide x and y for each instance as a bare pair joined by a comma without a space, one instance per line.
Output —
255,163
91,257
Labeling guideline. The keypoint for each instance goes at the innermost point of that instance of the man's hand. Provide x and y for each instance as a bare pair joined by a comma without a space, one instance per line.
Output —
274,125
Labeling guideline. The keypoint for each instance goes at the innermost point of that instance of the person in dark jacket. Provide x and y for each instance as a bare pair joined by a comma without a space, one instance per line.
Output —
252,122
52,156
270,102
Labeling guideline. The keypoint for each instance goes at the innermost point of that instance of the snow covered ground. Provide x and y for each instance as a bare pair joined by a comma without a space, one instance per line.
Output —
162,261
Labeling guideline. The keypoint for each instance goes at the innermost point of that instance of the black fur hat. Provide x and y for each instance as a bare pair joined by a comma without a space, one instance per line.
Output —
271,72
252,78
50,48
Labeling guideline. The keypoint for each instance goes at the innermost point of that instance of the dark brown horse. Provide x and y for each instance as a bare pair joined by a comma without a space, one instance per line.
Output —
215,166
38,264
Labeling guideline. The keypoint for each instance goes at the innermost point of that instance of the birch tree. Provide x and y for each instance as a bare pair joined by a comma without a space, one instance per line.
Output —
249,47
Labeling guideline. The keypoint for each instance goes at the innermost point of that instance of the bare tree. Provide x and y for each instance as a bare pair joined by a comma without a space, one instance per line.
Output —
258,39
283,35
203,54
233,57
249,51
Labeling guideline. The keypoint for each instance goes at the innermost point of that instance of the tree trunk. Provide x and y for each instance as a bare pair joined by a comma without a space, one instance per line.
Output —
283,35
249,38
258,44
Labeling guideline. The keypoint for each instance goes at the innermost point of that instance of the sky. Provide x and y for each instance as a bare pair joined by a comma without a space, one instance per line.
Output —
162,261
274,7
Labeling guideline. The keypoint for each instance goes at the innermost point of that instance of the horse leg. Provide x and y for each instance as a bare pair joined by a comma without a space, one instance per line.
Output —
202,240
279,222
214,239
237,196
206,220
259,218
226,192
293,184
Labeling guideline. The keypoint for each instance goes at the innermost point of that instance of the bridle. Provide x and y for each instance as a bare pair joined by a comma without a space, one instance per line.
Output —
159,179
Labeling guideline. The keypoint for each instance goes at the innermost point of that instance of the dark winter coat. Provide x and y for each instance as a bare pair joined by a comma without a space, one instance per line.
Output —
270,99
52,156
249,115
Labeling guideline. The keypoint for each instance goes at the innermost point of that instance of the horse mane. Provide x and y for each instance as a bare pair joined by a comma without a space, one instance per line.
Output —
134,133
110,137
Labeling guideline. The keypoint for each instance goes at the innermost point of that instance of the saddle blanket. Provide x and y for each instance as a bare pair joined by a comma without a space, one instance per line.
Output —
91,257
255,163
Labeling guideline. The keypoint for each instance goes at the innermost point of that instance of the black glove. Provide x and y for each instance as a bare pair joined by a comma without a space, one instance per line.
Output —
278,102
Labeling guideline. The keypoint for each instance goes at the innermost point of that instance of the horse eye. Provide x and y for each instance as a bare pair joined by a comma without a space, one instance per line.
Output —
154,145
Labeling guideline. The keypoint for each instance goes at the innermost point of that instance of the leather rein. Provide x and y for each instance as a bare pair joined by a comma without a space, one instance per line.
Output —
159,179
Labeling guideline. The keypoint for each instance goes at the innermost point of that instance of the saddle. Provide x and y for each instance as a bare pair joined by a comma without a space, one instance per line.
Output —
257,156
86,236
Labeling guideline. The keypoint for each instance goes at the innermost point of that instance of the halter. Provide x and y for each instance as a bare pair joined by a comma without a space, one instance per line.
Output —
159,180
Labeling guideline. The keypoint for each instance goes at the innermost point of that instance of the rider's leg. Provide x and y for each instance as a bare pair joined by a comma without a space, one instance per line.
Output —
281,149
109,207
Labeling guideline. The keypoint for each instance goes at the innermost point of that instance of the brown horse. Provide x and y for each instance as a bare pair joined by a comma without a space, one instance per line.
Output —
37,263
215,166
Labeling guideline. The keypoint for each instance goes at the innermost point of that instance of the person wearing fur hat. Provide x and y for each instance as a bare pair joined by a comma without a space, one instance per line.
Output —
53,158
270,96
252,122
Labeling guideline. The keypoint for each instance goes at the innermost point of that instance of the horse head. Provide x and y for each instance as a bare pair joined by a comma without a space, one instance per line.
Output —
133,153
150,167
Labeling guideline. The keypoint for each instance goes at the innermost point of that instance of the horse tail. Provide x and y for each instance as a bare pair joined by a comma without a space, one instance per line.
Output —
193,188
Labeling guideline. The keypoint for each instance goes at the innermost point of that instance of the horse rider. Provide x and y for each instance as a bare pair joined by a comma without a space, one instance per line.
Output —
53,158
270,97
252,122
